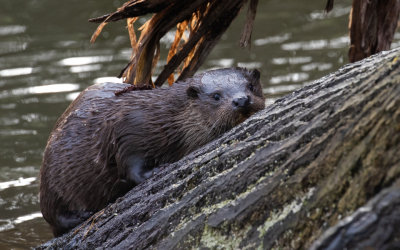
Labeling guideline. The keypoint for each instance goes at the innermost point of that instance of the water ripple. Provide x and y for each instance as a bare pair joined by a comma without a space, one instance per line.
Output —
16,71
44,89
18,132
281,89
107,79
291,60
12,46
272,39
72,96
250,65
223,62
17,183
85,68
316,66
83,60
11,30
336,43
292,77
338,11
27,217
10,223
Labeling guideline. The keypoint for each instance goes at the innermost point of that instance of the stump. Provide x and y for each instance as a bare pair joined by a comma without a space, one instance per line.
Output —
279,180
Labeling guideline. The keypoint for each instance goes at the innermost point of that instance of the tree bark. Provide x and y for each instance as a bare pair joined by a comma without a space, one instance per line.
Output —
279,180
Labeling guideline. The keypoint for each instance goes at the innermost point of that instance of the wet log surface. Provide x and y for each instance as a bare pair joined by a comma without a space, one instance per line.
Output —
280,179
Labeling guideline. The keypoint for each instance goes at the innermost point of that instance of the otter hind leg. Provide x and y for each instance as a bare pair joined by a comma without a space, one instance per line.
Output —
68,220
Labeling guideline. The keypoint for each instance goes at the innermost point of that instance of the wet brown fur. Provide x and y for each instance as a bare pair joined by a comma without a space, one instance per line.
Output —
84,162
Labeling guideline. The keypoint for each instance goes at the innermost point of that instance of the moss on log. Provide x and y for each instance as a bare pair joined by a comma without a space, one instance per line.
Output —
279,180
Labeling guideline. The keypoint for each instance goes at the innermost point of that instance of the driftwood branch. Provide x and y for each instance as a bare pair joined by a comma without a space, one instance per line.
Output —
204,20
280,179
372,25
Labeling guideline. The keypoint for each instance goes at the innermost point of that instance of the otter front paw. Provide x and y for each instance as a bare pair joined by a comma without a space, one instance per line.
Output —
136,170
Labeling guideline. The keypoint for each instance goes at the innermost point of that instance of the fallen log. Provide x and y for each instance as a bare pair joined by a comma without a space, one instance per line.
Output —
279,180
373,226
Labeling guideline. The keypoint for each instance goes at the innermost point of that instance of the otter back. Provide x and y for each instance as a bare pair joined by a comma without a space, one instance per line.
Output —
103,144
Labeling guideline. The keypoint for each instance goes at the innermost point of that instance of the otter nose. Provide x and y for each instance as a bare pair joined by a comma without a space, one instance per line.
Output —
241,102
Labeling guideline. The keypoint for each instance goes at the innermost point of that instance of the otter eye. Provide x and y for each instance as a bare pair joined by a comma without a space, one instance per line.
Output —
251,87
217,97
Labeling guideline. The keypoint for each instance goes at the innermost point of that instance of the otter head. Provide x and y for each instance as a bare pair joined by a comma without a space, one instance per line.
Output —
226,97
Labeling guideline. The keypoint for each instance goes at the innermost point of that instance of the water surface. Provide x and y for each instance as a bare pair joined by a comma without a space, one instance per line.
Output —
46,60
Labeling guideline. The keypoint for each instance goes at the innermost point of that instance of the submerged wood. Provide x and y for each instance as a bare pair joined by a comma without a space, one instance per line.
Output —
279,180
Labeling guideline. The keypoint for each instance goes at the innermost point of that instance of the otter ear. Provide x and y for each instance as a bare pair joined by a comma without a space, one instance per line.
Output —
193,91
255,74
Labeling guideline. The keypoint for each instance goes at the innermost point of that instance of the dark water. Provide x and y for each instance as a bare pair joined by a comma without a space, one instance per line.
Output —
46,59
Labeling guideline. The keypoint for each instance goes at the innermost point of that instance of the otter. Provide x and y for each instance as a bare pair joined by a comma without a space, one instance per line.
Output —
104,144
